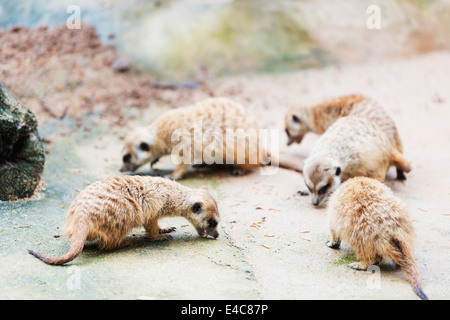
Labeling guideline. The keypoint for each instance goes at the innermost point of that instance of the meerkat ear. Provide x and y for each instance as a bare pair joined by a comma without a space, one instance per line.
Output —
144,146
295,118
197,207
338,171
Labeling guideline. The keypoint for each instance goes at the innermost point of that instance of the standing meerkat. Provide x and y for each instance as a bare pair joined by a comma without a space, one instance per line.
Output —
214,117
109,209
364,213
351,147
319,117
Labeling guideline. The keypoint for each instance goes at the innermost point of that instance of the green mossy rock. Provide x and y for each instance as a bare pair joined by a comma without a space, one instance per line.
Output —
22,156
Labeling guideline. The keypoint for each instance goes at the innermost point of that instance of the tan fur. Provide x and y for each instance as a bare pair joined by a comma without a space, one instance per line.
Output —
318,118
216,116
109,209
351,147
365,214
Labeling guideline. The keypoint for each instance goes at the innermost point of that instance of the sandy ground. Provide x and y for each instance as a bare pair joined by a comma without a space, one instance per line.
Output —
272,243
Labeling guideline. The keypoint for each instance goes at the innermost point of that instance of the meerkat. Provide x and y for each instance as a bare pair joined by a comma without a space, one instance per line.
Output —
319,117
351,147
109,209
364,213
215,118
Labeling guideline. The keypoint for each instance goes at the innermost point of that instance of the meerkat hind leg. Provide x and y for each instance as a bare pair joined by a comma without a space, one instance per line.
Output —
110,244
400,174
363,265
402,165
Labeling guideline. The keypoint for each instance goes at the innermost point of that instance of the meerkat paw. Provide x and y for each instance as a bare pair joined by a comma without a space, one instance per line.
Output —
400,174
303,193
333,245
166,230
362,265
238,172
161,237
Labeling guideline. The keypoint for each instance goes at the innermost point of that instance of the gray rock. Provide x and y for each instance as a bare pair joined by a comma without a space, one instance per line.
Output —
121,65
22,156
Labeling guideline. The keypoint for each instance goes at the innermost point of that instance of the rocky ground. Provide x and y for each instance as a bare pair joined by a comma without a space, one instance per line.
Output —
272,242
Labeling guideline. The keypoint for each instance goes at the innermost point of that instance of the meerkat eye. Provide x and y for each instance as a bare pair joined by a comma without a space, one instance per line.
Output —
126,158
324,189
212,223
197,207
296,119
144,146
338,171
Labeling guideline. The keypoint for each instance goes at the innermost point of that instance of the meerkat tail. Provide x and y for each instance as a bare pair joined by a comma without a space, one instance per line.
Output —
405,261
290,165
77,245
282,163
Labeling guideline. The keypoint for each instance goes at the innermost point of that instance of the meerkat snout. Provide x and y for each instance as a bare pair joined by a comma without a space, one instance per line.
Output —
138,150
295,129
321,179
204,215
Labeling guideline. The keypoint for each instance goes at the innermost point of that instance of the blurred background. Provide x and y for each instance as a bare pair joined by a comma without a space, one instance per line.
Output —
177,38
182,44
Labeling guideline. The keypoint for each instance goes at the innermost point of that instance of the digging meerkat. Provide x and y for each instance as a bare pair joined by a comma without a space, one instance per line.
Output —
319,117
215,117
109,209
365,214
351,147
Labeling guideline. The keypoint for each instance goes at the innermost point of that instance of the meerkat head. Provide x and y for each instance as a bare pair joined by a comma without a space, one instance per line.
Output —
139,148
296,125
322,177
203,213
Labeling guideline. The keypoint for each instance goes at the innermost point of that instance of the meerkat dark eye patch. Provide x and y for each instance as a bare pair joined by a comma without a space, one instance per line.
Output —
144,146
197,207
212,223
338,171
287,132
296,119
126,158
324,189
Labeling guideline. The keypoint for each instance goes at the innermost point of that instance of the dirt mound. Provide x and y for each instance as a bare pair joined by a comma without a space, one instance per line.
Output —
61,72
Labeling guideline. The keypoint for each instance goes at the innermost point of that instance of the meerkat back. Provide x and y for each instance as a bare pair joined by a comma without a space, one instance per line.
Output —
319,117
360,145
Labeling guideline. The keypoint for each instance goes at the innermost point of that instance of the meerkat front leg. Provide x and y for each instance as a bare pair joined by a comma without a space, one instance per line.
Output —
155,232
166,230
152,167
179,171
242,169
335,242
